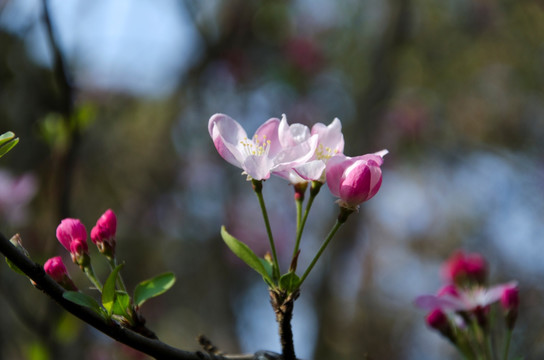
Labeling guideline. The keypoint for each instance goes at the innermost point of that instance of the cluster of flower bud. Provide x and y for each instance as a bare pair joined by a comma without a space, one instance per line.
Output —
72,234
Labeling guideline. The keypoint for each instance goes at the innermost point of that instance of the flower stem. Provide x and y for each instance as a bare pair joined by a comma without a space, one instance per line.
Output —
258,188
321,249
92,277
314,190
507,344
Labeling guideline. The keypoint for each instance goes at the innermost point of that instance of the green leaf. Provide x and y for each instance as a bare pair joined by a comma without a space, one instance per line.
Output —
108,291
150,288
245,254
83,300
121,304
7,142
289,282
5,137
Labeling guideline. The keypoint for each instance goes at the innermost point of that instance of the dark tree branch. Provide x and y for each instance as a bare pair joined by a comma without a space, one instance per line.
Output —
151,347
283,306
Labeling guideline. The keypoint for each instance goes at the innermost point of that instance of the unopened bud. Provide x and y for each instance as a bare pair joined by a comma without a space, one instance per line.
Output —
510,302
55,268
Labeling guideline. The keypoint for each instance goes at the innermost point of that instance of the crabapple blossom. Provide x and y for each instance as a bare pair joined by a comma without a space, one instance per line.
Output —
354,180
264,153
330,142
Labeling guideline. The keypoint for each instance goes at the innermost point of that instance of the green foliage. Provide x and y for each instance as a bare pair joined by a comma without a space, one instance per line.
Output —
84,300
153,287
121,305
7,142
246,255
289,282
108,292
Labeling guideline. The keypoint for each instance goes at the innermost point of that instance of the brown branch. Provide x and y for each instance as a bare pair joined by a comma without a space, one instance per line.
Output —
283,306
151,347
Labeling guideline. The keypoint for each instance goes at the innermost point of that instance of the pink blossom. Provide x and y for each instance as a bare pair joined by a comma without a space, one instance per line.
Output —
55,268
330,143
105,227
463,268
262,154
355,180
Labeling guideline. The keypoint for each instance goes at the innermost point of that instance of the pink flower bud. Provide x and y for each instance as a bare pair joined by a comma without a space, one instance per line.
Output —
103,233
510,298
438,320
510,302
105,227
462,268
70,230
354,180
55,268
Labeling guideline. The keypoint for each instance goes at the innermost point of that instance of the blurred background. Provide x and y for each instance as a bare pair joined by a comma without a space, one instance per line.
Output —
111,101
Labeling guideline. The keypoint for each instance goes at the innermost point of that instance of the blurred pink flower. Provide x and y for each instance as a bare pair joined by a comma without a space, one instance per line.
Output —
266,152
510,302
15,193
510,298
462,268
463,299
355,180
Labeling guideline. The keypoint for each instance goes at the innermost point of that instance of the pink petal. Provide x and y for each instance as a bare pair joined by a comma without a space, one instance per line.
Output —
334,172
330,136
226,134
312,170
269,131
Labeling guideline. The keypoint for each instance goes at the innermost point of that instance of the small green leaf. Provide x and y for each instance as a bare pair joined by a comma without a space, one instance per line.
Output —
108,291
7,142
150,288
121,304
289,282
245,254
83,300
